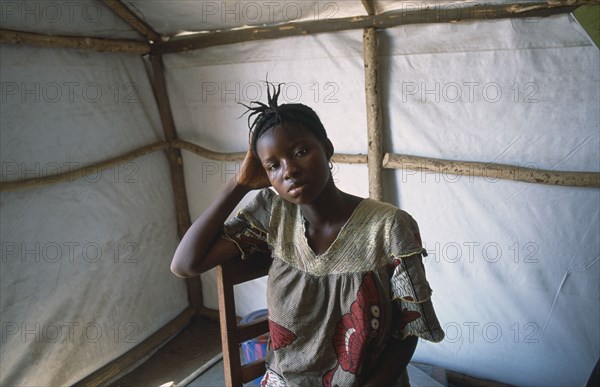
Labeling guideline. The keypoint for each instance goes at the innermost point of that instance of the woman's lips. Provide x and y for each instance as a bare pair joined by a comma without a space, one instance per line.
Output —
296,189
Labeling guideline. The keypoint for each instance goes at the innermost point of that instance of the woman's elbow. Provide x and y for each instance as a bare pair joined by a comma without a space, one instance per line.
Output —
182,270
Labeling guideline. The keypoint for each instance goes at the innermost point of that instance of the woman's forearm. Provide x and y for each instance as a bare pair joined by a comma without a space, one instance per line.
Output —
189,258
392,362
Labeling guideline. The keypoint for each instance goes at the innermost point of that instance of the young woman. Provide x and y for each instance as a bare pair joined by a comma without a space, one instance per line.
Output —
347,293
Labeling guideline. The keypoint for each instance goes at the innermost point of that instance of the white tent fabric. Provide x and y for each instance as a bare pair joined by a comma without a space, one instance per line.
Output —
85,264
71,18
190,16
186,17
514,266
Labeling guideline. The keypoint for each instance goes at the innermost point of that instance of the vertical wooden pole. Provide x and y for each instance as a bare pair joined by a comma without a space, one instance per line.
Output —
176,165
374,114
374,121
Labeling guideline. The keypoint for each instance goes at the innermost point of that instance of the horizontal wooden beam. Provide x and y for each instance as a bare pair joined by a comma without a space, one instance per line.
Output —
342,158
74,174
55,41
492,172
430,14
206,153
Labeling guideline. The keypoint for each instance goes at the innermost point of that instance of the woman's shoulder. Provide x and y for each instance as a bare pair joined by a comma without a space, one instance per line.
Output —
265,194
258,210
398,227
387,210
264,199
380,218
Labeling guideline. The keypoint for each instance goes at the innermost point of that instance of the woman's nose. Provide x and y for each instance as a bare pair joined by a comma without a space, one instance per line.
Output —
291,170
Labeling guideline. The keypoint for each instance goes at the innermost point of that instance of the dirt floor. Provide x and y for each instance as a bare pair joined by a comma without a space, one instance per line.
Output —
195,345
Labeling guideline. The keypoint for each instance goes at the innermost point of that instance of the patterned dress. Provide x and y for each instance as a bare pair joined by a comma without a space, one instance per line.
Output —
331,315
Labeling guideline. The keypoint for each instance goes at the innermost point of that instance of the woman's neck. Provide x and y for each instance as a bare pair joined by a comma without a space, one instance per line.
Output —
331,207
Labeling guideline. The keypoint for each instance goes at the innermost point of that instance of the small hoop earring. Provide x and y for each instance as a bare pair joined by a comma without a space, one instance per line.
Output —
330,164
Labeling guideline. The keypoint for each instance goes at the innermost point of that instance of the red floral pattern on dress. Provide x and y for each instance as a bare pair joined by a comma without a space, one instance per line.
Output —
328,376
280,336
265,380
272,379
407,316
355,331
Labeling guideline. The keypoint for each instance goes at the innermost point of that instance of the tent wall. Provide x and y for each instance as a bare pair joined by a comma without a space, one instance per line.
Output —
85,263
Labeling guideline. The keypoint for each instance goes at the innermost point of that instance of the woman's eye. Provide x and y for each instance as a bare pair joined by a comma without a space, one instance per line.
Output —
272,167
301,152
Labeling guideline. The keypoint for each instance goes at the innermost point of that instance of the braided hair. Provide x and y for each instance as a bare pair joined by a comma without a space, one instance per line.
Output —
263,117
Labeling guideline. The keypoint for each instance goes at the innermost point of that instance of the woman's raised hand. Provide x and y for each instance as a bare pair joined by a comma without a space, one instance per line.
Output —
252,174
201,248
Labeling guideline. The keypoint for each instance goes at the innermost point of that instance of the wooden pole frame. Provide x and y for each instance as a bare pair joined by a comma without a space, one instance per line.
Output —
384,20
94,44
489,171
77,173
163,45
175,161
374,114
194,284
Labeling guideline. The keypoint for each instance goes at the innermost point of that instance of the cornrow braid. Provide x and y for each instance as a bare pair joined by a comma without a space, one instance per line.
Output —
263,117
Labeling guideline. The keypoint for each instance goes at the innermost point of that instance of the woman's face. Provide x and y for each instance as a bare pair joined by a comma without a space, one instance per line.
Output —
296,162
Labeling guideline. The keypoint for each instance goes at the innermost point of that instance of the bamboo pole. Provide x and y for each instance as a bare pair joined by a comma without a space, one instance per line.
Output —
74,174
133,20
433,14
94,44
492,172
374,114
117,367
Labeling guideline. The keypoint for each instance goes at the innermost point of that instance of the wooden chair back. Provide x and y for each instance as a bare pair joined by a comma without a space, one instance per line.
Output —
233,272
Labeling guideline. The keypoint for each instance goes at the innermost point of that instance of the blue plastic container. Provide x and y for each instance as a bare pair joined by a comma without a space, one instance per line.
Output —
256,348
